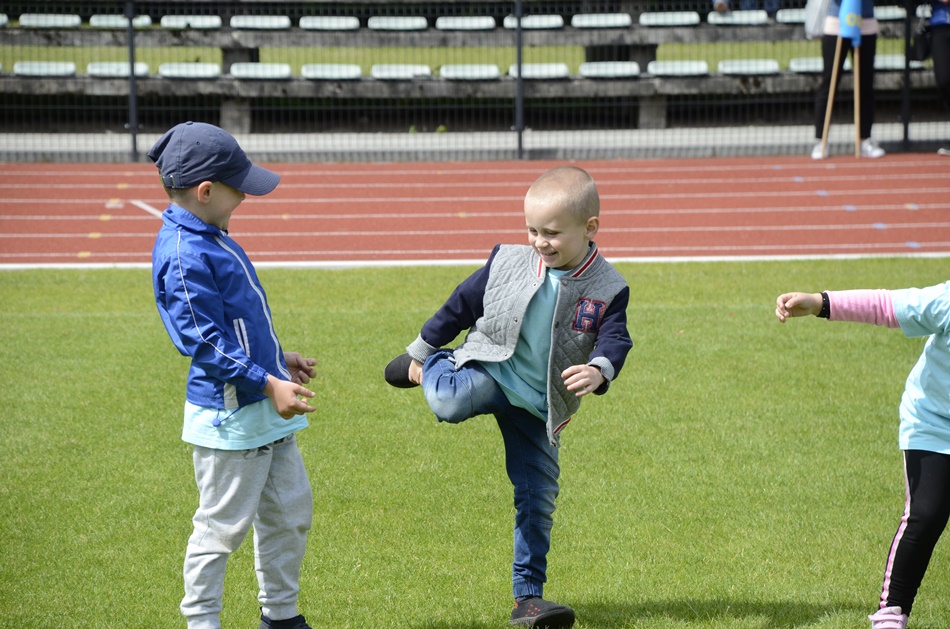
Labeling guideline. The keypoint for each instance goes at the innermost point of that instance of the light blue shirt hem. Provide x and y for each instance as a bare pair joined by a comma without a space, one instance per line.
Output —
246,428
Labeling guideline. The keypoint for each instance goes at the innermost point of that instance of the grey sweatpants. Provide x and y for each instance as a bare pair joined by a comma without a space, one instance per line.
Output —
267,488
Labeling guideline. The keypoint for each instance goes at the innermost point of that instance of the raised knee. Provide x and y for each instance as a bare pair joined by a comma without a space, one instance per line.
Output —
448,408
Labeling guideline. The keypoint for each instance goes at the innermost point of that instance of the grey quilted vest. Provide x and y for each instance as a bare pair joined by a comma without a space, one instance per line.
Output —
515,276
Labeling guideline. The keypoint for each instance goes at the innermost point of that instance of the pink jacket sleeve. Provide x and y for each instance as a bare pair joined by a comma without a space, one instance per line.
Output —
862,306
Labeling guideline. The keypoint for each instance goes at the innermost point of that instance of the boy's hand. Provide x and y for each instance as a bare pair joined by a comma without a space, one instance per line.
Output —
284,394
301,369
582,379
797,305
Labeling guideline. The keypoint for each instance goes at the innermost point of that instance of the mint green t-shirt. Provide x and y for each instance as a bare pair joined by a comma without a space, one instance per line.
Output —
524,376
246,428
925,405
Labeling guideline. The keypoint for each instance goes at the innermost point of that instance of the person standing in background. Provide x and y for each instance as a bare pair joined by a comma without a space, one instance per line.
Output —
940,50
868,47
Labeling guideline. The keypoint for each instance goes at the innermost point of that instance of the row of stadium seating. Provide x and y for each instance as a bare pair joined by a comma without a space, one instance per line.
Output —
464,72
451,23
620,63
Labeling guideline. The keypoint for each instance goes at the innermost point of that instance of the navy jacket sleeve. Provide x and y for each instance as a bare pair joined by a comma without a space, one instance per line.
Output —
613,341
461,310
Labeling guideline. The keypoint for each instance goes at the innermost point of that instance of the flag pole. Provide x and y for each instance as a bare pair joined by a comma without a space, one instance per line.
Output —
831,98
856,55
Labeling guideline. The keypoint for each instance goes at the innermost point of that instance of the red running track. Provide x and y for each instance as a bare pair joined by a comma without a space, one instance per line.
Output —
350,214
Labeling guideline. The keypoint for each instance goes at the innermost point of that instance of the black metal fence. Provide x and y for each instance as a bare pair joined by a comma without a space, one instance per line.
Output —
321,81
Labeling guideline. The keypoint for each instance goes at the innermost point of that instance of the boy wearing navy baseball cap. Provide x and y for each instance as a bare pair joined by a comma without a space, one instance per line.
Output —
245,398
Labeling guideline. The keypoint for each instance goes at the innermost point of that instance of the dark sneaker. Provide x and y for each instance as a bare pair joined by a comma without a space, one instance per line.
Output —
537,612
397,372
297,622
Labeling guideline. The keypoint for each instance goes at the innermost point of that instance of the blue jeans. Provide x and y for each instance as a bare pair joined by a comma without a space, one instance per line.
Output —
531,461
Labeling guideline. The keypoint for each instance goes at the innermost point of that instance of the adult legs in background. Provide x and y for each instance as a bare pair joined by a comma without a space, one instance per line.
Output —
868,52
926,512
941,60
940,53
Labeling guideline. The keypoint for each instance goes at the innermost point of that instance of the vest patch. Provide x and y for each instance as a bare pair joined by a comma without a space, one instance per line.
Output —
589,314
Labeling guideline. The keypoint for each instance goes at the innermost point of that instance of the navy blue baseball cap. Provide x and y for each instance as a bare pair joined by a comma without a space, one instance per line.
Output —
192,152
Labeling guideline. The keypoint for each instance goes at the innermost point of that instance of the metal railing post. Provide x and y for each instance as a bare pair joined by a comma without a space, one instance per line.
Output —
519,82
133,96
911,8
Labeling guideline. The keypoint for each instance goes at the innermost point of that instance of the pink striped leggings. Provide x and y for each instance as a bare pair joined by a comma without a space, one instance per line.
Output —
926,512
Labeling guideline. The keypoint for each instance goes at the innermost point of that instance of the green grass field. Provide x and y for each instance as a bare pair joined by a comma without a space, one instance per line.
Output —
739,473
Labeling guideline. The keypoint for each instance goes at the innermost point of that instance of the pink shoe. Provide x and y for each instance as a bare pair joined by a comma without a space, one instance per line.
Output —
888,618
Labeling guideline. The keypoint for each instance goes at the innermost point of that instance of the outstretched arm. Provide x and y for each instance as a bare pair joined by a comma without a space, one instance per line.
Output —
797,305
874,307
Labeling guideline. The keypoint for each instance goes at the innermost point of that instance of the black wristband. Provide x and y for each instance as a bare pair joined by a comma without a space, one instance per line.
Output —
825,311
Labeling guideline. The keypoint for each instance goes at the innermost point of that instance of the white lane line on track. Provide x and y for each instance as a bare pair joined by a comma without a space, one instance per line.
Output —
247,235
507,168
360,263
475,214
730,194
942,249
791,178
148,208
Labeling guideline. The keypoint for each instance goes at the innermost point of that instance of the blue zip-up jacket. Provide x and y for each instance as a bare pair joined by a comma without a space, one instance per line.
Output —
215,311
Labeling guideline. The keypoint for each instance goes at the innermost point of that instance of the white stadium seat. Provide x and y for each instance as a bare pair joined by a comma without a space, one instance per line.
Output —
535,22
399,71
466,23
118,21
669,18
678,68
470,72
401,23
753,67
330,23
609,69
115,69
331,72
602,20
544,71
756,17
260,22
189,70
260,71
197,22
50,20
44,68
